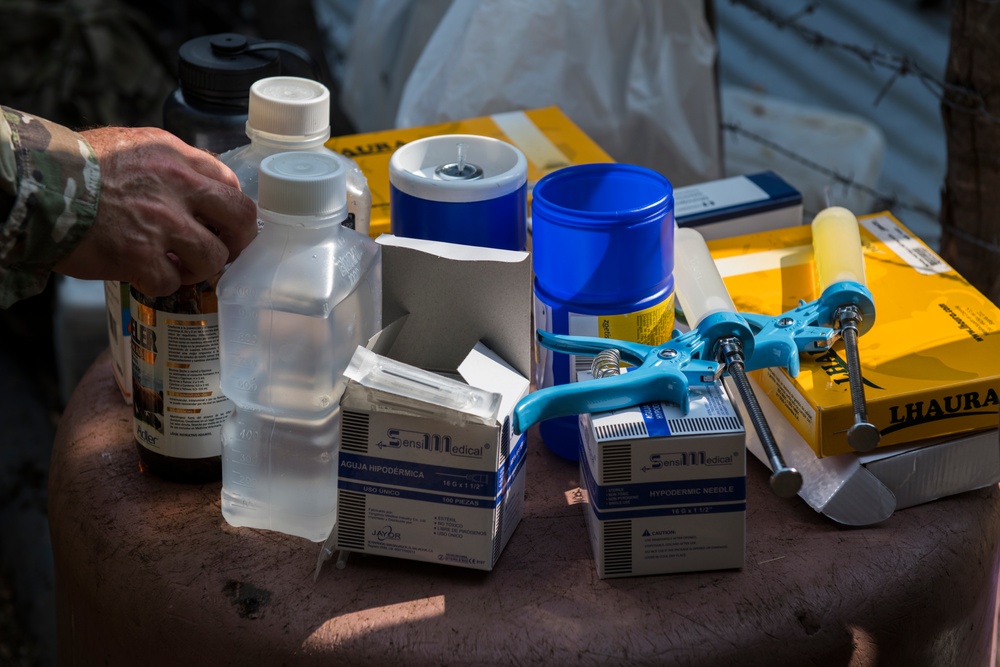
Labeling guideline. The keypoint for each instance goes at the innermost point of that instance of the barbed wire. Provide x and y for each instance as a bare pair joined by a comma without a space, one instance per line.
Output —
971,239
885,200
954,96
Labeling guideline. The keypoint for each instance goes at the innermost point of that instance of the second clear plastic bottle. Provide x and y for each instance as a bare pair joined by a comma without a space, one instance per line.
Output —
288,113
293,307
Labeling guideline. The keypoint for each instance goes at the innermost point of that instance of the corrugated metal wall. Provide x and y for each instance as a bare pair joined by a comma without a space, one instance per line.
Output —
758,54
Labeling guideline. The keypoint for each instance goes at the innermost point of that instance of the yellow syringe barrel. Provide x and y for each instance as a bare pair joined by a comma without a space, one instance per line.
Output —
698,284
837,247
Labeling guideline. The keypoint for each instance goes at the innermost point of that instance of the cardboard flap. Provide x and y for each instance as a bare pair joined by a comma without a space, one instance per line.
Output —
486,370
456,296
862,489
861,500
383,341
837,486
937,469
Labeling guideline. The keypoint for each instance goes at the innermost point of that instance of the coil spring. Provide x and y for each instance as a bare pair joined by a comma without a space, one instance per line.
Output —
605,363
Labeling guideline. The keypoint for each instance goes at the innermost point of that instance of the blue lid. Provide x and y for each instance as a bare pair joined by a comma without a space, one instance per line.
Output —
602,234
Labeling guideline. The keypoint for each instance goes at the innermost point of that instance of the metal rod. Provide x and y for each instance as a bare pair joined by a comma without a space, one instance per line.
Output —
863,436
785,481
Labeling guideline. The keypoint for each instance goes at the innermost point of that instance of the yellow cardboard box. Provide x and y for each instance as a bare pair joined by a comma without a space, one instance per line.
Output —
930,363
547,137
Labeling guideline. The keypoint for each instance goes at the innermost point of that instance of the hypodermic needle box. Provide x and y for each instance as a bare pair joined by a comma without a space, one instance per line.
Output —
665,491
418,480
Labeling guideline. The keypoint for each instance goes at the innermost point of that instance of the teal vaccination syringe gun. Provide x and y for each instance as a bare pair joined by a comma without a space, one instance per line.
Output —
845,309
663,373
718,342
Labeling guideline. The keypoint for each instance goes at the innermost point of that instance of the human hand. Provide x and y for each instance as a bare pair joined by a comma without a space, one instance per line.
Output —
169,214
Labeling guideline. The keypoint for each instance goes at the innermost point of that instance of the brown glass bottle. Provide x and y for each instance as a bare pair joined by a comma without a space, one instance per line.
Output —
177,405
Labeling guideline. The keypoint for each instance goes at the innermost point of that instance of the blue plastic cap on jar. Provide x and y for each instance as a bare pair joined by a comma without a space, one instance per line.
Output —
602,234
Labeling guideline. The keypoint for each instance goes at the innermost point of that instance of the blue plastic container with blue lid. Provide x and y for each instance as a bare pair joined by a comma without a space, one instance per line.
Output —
603,257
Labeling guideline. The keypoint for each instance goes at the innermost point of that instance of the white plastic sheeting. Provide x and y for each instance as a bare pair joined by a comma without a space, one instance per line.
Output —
638,76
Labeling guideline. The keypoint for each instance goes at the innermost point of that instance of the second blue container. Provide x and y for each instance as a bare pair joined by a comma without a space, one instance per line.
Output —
603,257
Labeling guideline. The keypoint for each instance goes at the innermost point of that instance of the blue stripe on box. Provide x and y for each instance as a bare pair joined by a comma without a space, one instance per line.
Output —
663,494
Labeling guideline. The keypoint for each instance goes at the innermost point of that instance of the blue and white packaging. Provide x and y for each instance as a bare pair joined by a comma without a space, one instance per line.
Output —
417,479
738,205
117,303
665,492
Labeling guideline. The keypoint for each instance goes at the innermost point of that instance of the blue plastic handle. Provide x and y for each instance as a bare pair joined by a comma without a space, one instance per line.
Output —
662,373
810,327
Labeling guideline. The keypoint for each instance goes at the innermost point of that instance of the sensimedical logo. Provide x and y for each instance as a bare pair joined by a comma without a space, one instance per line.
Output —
432,442
695,458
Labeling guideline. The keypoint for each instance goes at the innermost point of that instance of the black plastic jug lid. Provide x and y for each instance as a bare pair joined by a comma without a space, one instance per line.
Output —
221,68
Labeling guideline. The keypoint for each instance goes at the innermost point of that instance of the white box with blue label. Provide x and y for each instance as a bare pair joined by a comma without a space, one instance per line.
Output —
665,492
424,479
738,205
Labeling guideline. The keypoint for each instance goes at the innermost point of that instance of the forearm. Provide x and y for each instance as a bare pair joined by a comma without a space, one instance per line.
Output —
49,191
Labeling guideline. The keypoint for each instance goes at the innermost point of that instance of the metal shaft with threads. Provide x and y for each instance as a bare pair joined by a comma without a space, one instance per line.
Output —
840,260
785,481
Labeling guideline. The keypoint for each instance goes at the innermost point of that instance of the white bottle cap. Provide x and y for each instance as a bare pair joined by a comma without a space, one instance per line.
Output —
304,185
289,106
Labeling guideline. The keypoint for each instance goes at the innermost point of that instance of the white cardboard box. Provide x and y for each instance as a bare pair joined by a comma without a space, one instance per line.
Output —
417,480
864,489
665,492
116,301
738,205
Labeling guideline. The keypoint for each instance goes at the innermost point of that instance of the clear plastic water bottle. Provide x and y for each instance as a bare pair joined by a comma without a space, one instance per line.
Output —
293,307
288,113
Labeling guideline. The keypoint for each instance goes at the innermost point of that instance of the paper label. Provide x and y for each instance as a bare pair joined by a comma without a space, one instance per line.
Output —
651,326
910,249
715,195
177,403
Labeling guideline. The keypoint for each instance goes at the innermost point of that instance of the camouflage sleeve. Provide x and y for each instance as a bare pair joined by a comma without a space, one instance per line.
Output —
49,191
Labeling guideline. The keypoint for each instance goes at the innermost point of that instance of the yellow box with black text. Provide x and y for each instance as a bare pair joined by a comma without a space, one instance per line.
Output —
930,362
